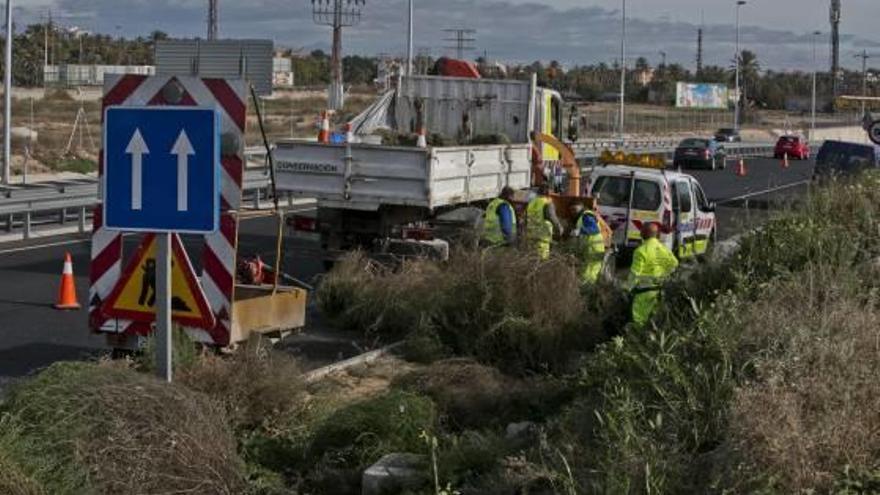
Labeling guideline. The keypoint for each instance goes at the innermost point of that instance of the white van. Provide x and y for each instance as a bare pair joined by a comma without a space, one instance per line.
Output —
630,196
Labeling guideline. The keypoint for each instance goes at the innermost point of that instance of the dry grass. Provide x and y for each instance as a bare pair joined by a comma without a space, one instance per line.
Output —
471,395
255,384
810,409
505,308
88,428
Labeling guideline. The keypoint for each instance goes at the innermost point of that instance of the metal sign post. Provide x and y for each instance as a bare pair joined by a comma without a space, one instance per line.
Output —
162,176
164,339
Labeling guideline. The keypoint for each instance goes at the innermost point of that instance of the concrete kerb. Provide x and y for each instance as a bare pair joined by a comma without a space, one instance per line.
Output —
363,359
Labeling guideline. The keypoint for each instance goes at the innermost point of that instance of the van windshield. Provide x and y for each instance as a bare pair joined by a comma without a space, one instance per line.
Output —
613,192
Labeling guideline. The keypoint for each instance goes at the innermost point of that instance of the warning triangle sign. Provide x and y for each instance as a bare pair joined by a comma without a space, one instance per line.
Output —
134,297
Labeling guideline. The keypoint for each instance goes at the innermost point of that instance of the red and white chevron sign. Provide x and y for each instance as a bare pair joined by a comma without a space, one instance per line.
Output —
229,97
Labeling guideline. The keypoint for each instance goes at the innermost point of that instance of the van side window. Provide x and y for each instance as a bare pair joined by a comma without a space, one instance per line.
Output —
702,202
683,194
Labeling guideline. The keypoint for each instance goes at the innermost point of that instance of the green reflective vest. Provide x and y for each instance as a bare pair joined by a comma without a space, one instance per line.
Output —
492,233
539,229
652,264
593,246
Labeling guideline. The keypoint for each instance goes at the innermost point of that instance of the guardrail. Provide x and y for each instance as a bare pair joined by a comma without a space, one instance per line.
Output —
22,206
590,158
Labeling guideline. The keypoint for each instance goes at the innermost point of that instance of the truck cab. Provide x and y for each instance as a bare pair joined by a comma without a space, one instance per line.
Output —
629,196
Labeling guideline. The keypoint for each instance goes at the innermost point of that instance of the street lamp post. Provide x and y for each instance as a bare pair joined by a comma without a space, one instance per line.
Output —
739,4
813,117
409,42
7,100
623,75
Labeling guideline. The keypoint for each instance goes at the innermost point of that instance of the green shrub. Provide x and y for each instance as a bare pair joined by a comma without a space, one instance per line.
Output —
365,431
78,165
184,353
87,428
14,480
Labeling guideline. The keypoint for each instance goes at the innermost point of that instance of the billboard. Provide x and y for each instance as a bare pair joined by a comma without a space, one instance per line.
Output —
699,95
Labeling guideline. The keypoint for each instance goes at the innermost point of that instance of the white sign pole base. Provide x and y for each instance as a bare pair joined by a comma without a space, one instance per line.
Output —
163,307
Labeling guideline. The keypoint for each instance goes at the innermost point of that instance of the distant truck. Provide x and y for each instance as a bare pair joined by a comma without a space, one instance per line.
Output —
387,199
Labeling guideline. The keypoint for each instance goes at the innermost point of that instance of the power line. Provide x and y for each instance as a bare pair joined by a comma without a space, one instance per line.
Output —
463,39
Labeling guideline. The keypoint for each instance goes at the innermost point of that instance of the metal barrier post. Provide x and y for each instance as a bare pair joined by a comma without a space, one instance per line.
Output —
27,226
63,217
82,220
257,199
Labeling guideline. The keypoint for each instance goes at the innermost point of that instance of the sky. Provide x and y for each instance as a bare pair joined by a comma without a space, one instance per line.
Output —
570,31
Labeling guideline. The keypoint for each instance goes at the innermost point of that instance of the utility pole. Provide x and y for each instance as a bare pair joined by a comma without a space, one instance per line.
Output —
835,47
813,119
213,20
7,100
700,45
864,56
463,39
337,14
736,109
409,42
622,73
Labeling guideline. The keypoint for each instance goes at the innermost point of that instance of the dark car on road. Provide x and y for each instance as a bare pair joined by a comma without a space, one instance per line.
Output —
699,153
839,158
728,135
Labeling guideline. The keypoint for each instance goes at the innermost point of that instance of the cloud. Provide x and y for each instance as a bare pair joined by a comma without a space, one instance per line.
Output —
519,31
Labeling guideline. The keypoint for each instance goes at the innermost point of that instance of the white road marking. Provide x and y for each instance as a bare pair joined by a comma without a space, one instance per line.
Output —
44,246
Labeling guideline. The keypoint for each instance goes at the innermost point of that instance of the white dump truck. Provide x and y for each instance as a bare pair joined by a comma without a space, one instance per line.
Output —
390,198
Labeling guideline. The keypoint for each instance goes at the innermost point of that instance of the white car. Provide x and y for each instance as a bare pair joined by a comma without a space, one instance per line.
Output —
630,196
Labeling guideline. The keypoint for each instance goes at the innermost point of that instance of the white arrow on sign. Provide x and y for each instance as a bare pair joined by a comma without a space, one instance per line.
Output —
137,148
183,149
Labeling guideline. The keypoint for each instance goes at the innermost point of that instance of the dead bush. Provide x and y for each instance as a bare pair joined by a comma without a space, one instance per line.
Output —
255,384
88,428
506,307
472,395
809,409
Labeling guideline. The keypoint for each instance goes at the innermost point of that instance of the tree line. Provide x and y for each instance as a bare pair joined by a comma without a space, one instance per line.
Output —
762,88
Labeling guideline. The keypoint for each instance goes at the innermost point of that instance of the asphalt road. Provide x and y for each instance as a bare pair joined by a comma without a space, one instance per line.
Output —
33,335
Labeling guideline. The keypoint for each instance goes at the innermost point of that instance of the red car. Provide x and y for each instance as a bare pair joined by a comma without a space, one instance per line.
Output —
793,146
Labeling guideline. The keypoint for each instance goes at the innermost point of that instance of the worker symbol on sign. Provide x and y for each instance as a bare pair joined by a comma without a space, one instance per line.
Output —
147,297
134,297
148,284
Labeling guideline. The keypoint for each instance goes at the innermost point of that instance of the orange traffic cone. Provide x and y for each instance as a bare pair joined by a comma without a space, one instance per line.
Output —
741,168
67,292
785,162
423,139
324,133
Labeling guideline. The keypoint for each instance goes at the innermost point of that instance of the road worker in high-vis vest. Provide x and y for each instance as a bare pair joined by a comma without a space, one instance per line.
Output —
652,264
590,243
541,220
499,222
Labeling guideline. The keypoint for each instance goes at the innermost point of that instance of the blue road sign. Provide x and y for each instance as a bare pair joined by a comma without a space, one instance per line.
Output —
162,169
